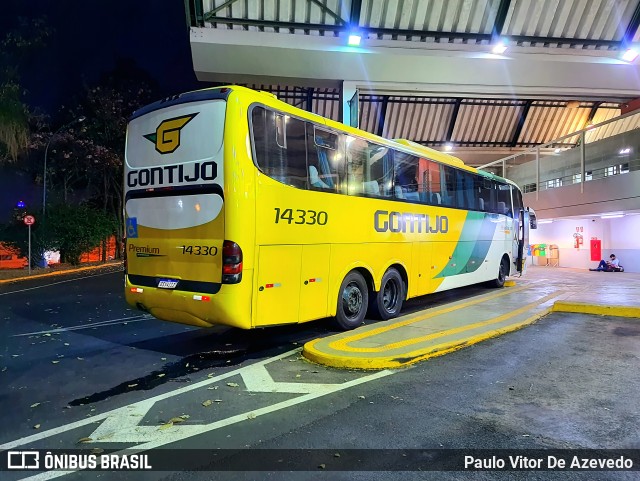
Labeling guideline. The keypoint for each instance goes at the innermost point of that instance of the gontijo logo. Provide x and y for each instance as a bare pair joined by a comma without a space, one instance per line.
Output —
167,134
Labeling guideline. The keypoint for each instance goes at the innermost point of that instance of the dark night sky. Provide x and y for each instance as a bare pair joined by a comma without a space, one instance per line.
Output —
89,37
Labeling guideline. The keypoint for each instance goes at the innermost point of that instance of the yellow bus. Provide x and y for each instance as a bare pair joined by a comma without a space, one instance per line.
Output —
246,211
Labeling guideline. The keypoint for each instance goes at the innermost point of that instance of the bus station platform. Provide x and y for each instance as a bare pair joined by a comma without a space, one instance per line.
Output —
433,332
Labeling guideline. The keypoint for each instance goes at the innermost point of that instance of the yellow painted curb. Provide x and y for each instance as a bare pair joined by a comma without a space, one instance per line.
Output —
57,273
509,283
597,309
313,354
310,352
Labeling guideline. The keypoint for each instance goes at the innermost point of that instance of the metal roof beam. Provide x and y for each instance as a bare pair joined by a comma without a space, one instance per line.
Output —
521,120
309,99
573,41
212,13
327,10
452,122
592,114
632,28
478,37
501,16
382,114
354,15
476,143
194,10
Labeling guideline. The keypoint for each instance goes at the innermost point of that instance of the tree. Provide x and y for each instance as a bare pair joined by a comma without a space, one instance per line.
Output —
14,121
107,108
15,235
15,46
75,230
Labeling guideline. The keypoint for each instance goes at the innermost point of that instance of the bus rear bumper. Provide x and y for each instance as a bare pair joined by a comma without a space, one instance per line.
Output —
230,306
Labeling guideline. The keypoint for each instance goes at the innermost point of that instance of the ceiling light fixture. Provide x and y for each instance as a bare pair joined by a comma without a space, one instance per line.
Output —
630,55
545,221
448,147
611,216
625,151
500,47
354,39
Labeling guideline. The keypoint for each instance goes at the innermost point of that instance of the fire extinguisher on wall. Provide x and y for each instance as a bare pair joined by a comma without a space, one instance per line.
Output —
577,240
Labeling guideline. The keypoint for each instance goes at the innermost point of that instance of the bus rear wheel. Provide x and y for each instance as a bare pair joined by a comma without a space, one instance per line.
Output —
387,302
503,272
353,299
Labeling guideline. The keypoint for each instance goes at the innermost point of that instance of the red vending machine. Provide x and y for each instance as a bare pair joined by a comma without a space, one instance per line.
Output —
596,249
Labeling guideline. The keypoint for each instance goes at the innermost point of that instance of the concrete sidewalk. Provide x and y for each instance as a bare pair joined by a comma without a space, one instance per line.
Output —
434,332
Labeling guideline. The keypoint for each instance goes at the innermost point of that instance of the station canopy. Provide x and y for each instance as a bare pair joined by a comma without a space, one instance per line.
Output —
484,78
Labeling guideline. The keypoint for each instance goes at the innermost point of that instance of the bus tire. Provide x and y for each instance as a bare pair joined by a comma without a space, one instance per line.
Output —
387,302
353,299
503,272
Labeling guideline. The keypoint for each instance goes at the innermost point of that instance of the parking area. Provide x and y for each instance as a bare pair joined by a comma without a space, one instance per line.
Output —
82,372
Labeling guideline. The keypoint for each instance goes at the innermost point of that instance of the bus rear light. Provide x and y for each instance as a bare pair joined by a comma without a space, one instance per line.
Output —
232,268
231,263
137,290
197,297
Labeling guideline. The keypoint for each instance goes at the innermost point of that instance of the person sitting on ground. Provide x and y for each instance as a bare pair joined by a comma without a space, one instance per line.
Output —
613,264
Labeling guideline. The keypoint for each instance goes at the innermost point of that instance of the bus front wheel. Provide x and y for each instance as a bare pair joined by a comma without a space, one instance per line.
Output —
387,302
353,299
503,272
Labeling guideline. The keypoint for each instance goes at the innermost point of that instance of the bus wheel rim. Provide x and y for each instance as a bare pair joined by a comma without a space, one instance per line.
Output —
390,295
351,300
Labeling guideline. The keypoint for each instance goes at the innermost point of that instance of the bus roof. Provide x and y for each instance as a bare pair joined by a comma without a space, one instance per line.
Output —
271,99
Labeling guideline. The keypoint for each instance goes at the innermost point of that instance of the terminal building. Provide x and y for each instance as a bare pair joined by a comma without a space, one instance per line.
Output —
543,93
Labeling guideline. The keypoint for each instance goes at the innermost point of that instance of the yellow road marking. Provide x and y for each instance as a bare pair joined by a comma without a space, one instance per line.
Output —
430,314
342,345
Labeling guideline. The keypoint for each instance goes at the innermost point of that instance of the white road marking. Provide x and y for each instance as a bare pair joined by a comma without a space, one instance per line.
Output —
141,317
121,425
257,379
59,282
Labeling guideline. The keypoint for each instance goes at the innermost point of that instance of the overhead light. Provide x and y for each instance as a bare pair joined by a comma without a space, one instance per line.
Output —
500,47
448,147
611,216
556,151
545,221
630,55
354,39
625,151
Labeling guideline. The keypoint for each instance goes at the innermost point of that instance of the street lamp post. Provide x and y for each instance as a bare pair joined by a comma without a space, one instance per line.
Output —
46,151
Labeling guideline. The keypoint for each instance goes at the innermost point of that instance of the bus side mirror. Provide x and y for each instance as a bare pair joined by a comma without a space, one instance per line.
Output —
533,221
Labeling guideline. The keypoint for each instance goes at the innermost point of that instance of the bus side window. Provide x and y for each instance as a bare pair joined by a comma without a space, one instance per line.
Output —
504,199
518,205
486,194
379,169
369,168
469,193
447,185
323,162
406,178
279,142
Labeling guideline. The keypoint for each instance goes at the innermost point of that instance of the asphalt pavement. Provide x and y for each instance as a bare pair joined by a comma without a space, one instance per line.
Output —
79,368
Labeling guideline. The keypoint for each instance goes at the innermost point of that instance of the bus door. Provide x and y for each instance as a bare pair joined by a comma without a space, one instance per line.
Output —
278,289
522,240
